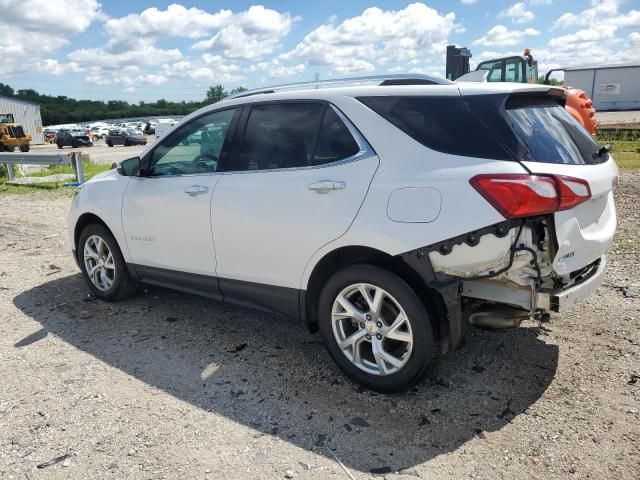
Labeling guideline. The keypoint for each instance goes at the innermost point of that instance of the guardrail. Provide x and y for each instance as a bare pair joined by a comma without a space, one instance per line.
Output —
72,158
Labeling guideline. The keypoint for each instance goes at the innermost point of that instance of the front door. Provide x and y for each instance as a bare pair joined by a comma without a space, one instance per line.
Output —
166,213
295,181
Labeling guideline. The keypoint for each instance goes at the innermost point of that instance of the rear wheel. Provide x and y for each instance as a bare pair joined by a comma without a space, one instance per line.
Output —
24,148
102,264
59,146
376,328
109,143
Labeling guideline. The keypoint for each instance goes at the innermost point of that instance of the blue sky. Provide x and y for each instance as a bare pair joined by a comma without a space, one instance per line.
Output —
148,50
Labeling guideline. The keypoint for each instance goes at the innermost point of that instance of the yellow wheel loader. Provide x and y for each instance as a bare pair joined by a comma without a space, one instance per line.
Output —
12,135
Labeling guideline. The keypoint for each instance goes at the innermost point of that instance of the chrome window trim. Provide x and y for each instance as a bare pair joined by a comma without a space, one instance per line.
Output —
366,151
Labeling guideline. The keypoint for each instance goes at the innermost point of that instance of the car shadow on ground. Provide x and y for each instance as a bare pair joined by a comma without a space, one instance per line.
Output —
270,374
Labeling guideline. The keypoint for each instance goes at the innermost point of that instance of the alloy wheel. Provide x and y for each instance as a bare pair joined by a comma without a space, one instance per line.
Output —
99,263
372,329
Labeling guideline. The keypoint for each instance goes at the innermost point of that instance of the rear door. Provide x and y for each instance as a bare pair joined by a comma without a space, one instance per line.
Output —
297,176
558,145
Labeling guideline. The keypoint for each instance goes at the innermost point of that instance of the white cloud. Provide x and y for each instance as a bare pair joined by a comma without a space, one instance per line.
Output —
74,16
383,37
140,55
53,67
242,36
275,69
211,70
540,2
502,36
250,34
33,29
603,14
518,13
581,39
468,2
175,21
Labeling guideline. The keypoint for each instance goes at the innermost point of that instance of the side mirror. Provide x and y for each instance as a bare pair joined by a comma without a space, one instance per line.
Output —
129,167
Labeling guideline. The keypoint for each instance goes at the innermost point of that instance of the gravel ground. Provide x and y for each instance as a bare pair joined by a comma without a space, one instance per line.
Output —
167,385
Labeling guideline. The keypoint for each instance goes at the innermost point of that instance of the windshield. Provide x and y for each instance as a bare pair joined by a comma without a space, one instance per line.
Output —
551,133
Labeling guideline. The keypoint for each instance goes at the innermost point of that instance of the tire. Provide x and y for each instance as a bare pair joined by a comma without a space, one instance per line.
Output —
59,146
411,361
110,144
121,284
24,148
127,144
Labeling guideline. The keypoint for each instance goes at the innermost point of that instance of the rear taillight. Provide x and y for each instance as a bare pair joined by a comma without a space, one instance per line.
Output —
522,195
573,191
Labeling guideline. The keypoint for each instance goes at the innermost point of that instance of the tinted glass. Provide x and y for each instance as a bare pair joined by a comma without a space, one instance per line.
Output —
513,71
443,123
335,141
279,136
551,133
194,148
495,75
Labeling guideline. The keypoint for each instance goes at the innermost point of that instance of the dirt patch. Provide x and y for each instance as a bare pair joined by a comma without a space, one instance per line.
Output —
167,385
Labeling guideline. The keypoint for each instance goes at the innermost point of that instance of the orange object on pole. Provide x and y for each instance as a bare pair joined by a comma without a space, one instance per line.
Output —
580,106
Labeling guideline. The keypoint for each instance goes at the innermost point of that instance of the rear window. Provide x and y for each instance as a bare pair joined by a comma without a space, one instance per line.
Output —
551,133
442,123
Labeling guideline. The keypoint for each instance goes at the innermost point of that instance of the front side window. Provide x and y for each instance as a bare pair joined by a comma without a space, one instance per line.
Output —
193,148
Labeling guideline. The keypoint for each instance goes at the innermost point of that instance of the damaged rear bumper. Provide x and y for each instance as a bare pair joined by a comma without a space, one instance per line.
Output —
582,288
551,300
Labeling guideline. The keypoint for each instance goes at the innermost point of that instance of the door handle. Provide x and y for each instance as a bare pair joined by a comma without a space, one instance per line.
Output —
325,186
194,190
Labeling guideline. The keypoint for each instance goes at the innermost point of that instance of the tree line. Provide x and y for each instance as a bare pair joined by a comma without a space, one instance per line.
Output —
61,109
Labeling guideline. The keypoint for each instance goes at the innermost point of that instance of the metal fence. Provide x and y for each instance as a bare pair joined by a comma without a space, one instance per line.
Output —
73,158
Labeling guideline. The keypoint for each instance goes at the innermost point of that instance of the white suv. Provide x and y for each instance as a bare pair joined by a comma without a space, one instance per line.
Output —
387,213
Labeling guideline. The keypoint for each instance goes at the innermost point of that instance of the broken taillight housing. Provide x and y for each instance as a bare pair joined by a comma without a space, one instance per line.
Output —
523,195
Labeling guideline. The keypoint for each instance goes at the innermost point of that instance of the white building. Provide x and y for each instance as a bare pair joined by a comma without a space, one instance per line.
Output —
26,114
611,87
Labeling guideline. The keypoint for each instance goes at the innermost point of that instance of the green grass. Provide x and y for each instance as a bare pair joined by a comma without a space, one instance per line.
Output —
89,169
626,153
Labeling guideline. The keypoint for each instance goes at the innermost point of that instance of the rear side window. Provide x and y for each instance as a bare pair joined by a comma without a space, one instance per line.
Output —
551,133
335,141
290,135
280,136
443,123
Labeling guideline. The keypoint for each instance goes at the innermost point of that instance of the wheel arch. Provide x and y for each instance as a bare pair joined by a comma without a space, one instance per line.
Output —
435,299
85,219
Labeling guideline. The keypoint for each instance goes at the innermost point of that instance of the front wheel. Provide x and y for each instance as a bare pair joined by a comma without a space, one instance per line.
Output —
24,148
376,328
102,264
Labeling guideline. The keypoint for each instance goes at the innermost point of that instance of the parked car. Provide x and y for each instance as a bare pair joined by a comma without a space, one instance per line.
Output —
99,132
385,216
149,128
73,138
125,137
